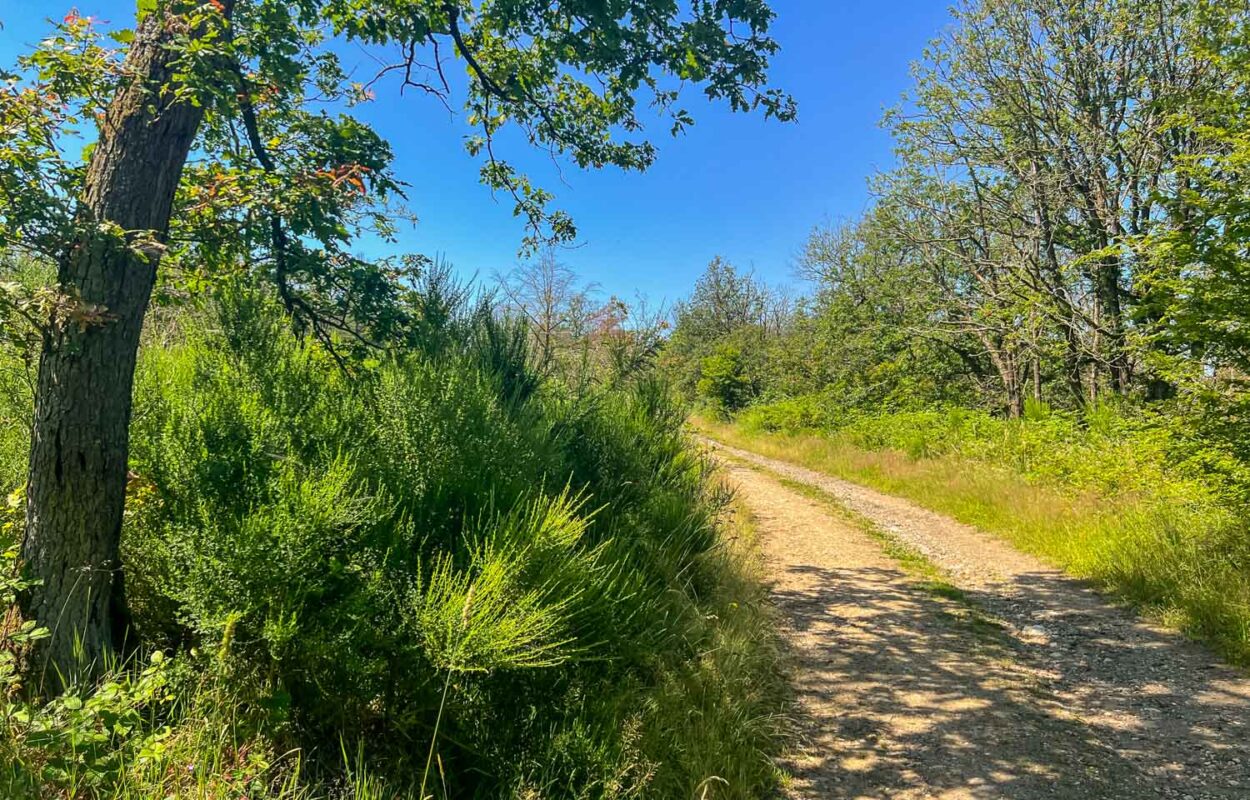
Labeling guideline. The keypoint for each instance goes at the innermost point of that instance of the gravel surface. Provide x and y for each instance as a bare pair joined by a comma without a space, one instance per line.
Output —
909,694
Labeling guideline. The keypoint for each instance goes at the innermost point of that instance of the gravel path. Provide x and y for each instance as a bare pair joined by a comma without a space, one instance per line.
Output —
907,693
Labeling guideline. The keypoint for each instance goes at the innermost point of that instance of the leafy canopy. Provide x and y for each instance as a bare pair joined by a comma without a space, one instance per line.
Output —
284,177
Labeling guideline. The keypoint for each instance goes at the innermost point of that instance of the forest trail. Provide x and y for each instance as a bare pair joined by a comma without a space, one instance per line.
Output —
1006,679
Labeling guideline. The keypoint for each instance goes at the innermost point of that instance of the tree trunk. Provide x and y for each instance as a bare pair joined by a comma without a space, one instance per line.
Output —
1111,314
1015,400
79,447
1072,366
1005,362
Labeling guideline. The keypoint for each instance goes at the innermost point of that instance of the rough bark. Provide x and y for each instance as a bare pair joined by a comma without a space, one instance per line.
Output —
79,448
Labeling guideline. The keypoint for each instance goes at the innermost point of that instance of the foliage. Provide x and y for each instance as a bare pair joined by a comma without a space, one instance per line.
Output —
276,146
1194,288
19,284
723,382
1108,450
809,412
327,556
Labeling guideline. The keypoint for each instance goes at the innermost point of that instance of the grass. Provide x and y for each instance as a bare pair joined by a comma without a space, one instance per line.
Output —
1183,561
930,577
747,652
754,618
445,577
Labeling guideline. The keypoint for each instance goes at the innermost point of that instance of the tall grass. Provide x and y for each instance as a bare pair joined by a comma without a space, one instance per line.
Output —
440,560
1102,497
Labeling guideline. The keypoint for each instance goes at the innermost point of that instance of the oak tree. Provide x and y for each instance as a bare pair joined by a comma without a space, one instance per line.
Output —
221,140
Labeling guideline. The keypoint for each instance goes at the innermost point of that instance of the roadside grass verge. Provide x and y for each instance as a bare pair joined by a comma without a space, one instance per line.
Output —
1182,560
754,621
726,715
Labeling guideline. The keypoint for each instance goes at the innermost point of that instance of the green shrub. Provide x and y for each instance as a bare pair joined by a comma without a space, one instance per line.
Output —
809,412
440,555
724,383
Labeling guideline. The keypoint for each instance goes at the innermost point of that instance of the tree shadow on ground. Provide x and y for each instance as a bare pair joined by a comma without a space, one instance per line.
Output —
927,700
1165,703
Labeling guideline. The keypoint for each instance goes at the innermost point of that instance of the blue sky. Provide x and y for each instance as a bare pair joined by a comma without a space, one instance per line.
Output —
734,185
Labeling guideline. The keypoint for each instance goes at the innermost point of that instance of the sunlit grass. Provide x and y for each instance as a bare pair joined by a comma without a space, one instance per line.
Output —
1182,563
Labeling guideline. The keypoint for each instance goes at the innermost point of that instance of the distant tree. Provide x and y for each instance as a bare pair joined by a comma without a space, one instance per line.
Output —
724,300
726,306
557,308
633,337
724,382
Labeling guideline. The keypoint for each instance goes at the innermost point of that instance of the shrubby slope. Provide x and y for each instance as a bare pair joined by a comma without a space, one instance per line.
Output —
440,547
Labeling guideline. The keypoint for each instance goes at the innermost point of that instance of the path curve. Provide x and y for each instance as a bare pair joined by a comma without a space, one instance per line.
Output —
907,695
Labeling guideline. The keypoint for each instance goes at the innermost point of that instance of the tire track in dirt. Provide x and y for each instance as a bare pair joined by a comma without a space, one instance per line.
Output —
904,695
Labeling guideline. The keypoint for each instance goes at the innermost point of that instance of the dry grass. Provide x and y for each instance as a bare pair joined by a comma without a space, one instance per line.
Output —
1183,564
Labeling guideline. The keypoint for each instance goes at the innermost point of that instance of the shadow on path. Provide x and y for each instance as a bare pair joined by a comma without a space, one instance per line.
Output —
1027,685
924,703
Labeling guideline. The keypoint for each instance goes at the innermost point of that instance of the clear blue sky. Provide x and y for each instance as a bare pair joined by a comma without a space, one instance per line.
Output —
734,185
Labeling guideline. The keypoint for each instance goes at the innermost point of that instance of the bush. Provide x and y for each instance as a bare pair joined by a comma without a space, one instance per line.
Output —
809,412
724,384
438,552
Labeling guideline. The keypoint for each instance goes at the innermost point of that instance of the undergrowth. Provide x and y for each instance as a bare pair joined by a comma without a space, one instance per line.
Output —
440,577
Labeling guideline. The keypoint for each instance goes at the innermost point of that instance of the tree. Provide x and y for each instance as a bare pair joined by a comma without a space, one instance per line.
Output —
725,304
1053,115
1197,287
1194,308
980,302
557,308
877,331
280,188
724,299
82,401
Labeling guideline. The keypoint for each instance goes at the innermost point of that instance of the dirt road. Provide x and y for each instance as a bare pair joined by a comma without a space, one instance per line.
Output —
1005,680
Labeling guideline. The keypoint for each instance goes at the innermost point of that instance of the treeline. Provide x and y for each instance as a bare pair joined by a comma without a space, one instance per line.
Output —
1040,325
1066,225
